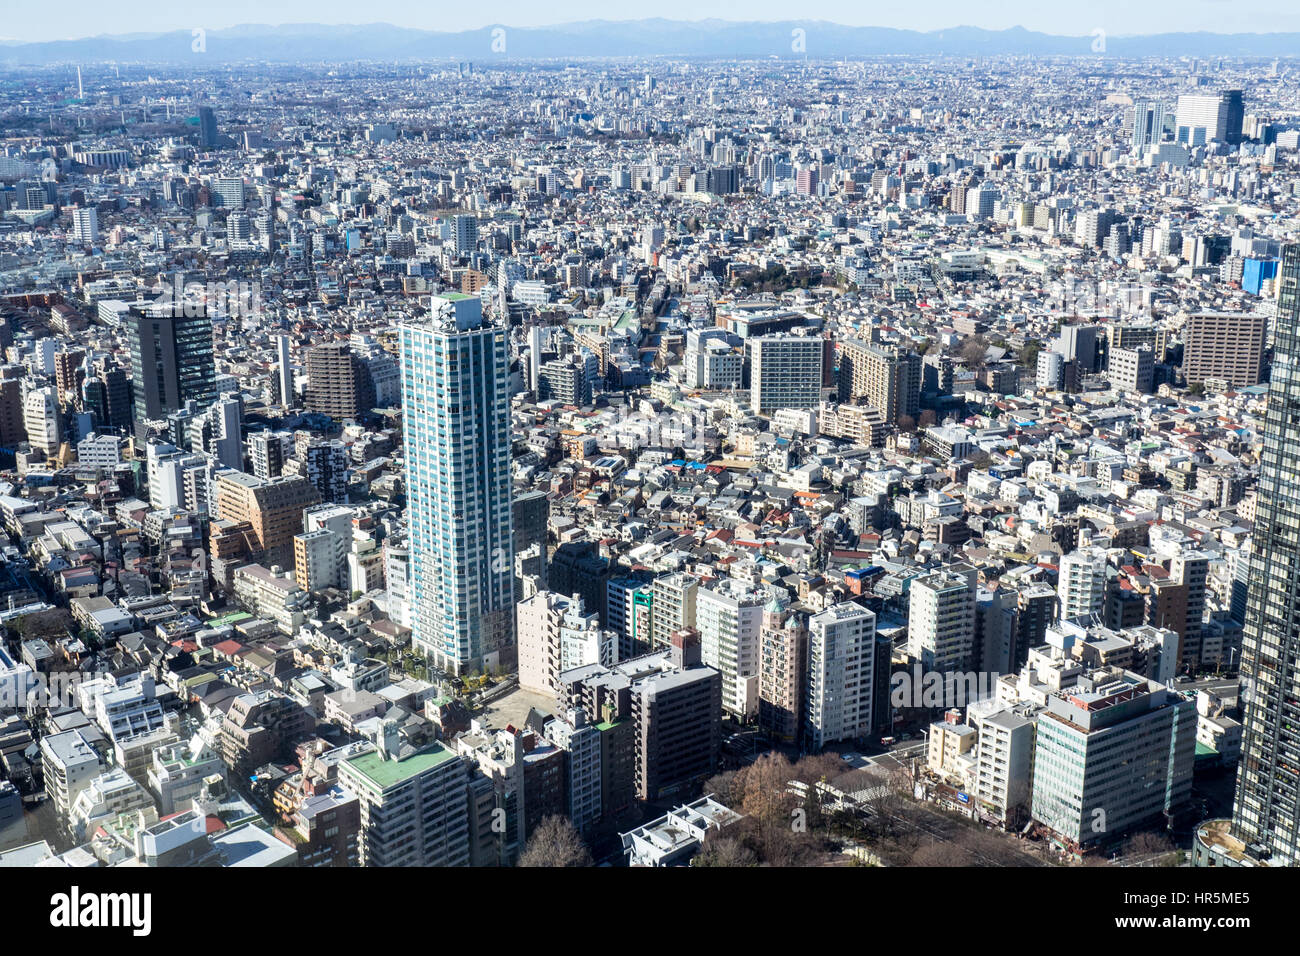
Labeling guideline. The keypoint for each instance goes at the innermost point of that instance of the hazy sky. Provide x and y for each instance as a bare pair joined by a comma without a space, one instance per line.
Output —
81,18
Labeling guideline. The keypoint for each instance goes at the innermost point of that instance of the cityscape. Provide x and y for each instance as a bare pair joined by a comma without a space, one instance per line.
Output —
528,456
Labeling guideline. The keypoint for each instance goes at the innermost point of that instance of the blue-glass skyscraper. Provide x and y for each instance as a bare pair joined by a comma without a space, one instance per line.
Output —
456,419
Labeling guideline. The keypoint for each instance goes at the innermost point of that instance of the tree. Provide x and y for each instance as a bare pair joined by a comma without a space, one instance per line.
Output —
766,790
973,349
1029,354
556,843
817,768
720,850
724,787
52,623
888,803
1150,847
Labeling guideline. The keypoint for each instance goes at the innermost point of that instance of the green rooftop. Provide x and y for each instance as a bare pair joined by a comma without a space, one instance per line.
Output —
385,774
233,618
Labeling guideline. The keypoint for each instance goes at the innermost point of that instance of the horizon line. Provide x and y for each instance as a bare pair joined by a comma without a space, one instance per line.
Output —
141,34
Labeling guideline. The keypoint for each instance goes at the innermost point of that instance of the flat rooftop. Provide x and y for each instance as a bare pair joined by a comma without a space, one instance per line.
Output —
385,774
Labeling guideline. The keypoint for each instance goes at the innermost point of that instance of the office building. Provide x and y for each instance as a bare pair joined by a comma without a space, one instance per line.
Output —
207,127
1111,754
1215,118
1080,344
1132,370
106,395
171,362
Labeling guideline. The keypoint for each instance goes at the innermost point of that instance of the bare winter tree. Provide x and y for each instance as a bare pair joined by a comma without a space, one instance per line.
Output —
1148,845
973,349
725,850
726,787
556,843
766,789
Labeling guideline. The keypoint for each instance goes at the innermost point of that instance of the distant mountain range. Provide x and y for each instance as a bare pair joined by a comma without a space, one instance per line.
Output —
308,42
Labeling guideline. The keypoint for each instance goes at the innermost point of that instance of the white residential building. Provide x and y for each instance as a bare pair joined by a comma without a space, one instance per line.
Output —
100,451
729,617
555,635
785,371
69,763
941,620
581,743
1081,583
841,668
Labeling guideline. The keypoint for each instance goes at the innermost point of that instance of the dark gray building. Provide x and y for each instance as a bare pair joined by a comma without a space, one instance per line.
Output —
171,361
